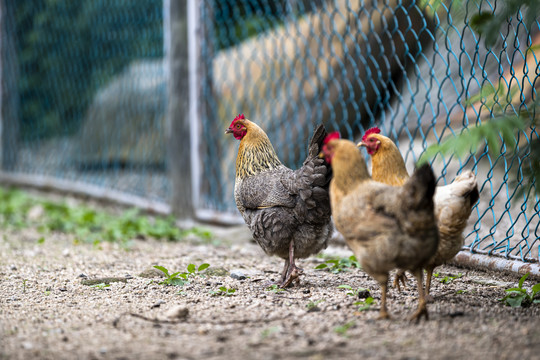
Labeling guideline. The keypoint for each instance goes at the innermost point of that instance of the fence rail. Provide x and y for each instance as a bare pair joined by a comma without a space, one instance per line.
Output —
129,100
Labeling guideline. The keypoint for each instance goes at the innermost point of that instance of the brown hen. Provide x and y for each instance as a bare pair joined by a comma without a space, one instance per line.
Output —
287,211
453,202
386,227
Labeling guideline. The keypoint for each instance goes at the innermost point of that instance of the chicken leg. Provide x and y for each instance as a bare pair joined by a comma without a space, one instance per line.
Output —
422,308
383,313
429,271
400,277
292,272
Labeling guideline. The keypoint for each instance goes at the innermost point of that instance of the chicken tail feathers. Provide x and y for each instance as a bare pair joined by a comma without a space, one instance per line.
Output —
419,189
315,145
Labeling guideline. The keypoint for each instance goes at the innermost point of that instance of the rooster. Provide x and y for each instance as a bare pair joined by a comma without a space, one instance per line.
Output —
287,211
386,227
453,202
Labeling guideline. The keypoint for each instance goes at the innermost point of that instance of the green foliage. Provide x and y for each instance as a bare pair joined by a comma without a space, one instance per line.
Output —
489,23
342,329
88,225
448,278
310,306
223,291
274,288
519,296
69,49
181,278
491,133
352,292
338,265
100,286
364,304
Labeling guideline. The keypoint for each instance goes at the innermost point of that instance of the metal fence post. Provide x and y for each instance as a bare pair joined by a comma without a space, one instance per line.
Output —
9,95
178,119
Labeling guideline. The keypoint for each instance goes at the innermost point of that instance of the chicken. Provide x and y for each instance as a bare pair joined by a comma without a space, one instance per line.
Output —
386,227
453,202
287,211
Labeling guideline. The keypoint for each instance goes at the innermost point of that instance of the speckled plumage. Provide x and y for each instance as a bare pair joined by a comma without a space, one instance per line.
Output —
279,204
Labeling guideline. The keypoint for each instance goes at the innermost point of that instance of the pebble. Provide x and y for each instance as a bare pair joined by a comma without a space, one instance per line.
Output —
177,312
83,276
13,267
158,303
65,253
238,275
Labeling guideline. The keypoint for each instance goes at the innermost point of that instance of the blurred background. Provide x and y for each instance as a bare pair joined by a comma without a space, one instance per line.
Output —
92,102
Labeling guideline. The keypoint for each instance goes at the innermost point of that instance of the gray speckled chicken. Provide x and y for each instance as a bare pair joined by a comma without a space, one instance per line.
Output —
287,211
386,227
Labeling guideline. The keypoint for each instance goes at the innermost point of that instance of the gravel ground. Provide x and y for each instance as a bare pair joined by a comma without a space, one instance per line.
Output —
47,312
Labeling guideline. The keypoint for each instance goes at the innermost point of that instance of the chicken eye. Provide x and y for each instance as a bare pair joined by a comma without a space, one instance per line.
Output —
238,126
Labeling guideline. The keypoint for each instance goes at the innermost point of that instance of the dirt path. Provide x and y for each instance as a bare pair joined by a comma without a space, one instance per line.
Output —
47,313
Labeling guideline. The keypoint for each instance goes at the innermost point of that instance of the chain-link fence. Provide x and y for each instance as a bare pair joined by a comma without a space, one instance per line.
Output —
91,92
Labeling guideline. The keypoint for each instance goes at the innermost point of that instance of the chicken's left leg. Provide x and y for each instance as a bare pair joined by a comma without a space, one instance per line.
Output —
422,308
429,271
293,272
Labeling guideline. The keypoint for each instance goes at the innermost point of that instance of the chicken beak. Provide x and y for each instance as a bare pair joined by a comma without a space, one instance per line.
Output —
321,155
229,131
361,143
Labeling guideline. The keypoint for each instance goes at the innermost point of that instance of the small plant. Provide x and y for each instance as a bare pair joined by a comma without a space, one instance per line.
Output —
447,279
274,288
338,265
41,240
24,285
364,304
100,286
223,291
177,278
181,278
342,329
352,291
313,304
518,296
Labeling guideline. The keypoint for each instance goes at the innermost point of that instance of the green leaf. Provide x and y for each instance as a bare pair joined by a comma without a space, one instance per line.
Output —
191,268
515,301
162,269
321,266
535,290
203,266
348,287
177,282
522,280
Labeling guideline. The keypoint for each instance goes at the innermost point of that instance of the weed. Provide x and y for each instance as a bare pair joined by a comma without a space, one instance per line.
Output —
342,329
269,331
354,292
85,223
181,278
100,286
223,291
41,240
274,288
338,265
24,285
519,296
364,304
313,304
447,279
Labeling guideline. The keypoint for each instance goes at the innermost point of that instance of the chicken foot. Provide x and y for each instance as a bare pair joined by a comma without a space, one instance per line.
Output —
422,308
291,272
400,277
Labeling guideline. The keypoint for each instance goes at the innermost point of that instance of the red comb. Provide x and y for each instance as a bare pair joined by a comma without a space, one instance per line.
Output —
331,136
373,130
240,116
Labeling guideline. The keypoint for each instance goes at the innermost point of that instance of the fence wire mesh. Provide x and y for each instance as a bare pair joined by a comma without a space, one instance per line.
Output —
92,92
417,74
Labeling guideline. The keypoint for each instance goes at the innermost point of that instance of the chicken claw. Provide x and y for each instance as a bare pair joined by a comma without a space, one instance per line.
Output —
400,277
